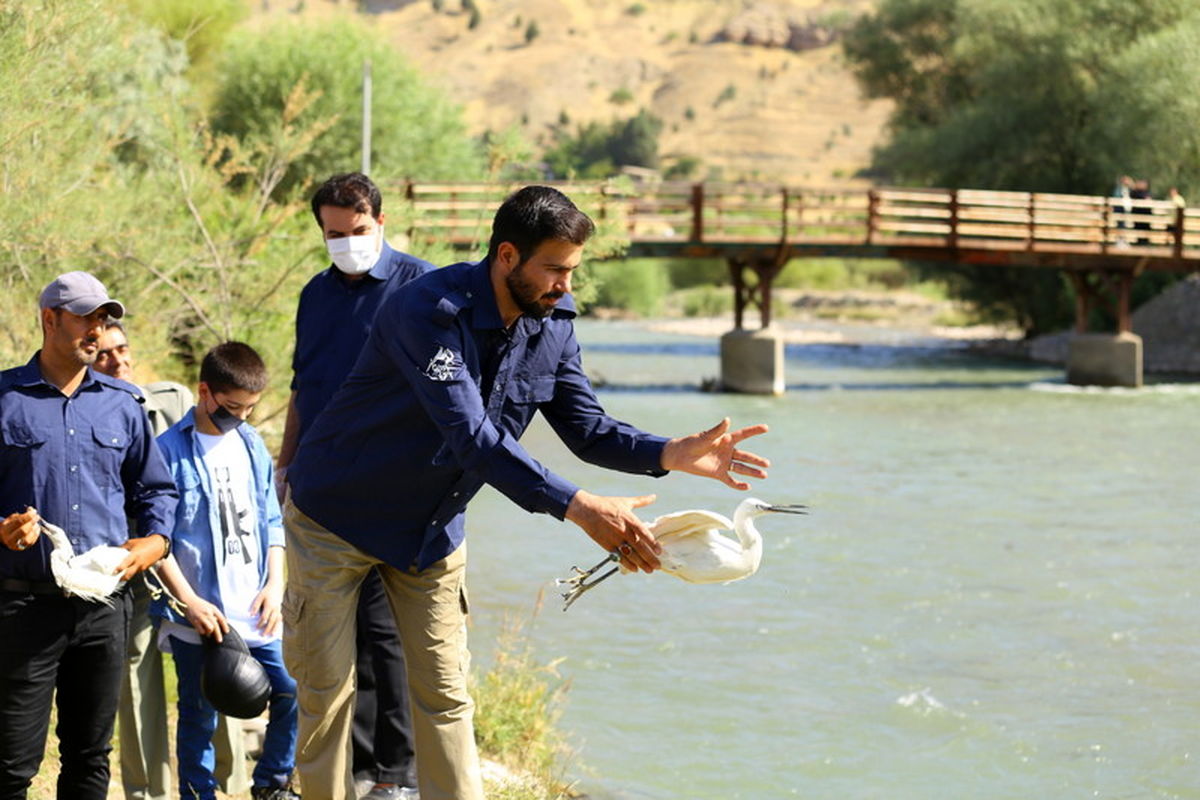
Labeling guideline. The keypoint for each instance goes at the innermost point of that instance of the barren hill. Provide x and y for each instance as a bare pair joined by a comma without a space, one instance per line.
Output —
757,107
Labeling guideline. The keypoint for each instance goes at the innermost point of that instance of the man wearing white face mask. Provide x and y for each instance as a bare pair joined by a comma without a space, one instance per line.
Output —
337,308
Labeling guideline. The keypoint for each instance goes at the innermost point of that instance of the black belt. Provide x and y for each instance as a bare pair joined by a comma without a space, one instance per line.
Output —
29,587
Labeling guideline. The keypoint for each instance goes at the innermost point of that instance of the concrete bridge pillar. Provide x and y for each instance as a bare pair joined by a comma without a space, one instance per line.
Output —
1102,359
752,361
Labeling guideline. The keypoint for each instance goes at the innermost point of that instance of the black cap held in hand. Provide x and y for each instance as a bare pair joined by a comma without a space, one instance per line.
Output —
231,680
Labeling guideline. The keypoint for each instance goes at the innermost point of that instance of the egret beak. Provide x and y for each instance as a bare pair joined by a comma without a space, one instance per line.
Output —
579,581
788,509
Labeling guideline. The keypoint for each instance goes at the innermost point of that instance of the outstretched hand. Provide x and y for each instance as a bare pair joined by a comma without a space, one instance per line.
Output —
714,454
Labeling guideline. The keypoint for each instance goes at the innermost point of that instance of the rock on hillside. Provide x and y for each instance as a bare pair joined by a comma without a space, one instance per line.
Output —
779,25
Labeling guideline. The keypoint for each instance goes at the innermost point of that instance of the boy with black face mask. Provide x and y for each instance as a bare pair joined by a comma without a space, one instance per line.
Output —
227,565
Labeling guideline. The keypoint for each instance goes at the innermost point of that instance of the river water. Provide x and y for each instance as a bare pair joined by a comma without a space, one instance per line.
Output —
994,595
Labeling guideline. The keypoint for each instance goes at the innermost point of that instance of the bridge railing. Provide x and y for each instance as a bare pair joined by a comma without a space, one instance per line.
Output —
743,213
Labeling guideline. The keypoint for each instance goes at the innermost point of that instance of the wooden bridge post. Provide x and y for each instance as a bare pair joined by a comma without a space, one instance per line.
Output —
1104,359
1177,249
872,214
752,360
697,212
952,239
738,278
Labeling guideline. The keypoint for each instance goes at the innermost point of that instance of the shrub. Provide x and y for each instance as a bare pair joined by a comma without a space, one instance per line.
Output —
620,97
707,301
260,69
201,25
637,285
532,31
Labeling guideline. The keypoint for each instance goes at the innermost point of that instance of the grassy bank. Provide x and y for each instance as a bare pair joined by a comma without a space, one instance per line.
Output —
518,703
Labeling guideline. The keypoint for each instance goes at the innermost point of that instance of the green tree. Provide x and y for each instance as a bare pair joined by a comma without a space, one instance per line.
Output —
201,24
597,150
1030,95
415,131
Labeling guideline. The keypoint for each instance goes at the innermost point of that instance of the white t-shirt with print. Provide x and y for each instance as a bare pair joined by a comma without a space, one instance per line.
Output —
240,562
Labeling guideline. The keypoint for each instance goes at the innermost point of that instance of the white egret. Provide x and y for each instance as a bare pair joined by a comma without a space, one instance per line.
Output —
88,575
694,549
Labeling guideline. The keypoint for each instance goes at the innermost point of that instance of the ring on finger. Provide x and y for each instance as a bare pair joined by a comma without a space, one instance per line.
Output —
21,545
625,549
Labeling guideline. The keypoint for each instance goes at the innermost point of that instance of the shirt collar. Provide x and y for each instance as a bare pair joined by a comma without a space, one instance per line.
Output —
31,375
386,264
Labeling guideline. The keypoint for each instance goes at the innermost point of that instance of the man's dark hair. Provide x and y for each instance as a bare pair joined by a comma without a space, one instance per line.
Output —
233,365
348,190
537,214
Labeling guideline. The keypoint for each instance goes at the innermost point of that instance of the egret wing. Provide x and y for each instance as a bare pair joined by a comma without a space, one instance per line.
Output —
688,523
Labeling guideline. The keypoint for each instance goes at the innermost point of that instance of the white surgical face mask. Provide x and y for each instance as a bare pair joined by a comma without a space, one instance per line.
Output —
355,255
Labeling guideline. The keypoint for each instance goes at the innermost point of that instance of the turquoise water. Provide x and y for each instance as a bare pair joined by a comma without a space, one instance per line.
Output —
994,594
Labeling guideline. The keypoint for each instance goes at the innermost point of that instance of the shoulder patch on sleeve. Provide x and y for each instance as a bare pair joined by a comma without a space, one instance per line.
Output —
444,365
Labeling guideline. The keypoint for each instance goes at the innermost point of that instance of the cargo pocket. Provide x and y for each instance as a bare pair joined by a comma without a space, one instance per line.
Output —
294,653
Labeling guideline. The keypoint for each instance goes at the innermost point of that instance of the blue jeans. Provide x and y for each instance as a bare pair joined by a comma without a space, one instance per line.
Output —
198,721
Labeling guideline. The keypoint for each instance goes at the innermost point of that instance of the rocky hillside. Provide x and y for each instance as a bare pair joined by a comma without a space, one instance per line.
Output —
753,90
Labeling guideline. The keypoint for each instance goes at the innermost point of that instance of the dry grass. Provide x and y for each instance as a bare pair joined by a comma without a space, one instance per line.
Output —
796,116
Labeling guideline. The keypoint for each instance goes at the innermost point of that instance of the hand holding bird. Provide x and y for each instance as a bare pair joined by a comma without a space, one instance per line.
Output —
693,548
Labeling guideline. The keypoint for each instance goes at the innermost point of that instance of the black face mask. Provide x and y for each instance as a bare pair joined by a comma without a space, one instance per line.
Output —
224,420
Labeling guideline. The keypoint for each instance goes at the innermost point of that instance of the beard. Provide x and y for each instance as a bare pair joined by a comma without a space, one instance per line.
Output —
81,353
526,296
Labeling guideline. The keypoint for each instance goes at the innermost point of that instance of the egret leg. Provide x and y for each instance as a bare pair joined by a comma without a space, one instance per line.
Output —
579,581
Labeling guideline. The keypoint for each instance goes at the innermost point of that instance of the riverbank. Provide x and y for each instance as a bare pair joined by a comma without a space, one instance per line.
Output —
856,316
1169,326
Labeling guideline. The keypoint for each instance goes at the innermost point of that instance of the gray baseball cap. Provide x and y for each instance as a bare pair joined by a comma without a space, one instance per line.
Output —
80,293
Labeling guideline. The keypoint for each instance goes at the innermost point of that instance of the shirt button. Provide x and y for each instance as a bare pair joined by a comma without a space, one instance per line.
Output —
434,522
454,494
74,467
70,431
115,440
75,507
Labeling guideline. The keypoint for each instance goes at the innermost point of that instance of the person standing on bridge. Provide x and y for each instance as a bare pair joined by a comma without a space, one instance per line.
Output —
456,365
333,319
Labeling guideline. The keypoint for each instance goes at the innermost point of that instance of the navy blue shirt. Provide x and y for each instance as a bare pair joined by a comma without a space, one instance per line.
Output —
332,323
410,437
82,461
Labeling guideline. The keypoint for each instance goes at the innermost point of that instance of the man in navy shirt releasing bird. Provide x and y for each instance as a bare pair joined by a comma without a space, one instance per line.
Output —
457,364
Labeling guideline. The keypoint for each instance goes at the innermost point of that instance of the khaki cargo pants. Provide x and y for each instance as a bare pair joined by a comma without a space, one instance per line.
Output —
324,575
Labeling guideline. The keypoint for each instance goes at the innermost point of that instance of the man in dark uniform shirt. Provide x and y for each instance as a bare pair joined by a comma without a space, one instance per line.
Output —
457,364
75,449
336,310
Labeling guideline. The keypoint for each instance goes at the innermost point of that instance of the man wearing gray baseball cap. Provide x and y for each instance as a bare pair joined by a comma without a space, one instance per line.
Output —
76,450
79,293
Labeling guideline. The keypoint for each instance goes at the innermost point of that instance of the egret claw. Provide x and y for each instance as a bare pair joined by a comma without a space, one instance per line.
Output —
579,581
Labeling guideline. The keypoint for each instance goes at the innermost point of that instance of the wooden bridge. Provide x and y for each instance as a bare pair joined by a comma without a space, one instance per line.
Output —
1103,243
